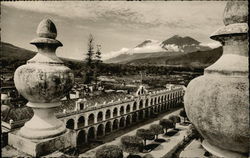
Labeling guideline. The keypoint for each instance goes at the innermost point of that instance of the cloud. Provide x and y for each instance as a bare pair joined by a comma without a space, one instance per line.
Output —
172,48
114,53
115,25
212,44
147,49
148,14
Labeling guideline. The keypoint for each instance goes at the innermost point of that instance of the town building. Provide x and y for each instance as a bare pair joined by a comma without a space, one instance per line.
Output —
94,117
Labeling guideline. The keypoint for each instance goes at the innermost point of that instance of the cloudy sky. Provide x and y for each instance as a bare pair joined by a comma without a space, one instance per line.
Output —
116,26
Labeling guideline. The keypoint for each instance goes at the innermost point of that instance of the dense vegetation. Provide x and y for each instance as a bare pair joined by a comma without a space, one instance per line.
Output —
12,57
109,151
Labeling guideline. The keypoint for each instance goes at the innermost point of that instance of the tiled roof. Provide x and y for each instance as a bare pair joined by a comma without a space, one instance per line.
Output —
15,114
92,100
24,112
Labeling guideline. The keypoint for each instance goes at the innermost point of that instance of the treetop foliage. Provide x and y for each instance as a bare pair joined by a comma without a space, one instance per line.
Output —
109,151
132,144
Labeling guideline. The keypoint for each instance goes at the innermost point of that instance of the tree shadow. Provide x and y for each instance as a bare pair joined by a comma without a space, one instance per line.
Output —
151,147
171,133
160,140
134,156
185,123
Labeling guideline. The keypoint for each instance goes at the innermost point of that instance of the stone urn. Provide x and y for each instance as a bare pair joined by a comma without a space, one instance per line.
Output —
217,103
43,81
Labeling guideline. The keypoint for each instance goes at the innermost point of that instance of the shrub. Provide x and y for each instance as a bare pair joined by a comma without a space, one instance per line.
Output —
166,124
156,129
132,144
145,134
193,133
175,119
109,151
183,114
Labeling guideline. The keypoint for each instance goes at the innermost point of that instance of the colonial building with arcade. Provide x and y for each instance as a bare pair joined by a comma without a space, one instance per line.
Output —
94,117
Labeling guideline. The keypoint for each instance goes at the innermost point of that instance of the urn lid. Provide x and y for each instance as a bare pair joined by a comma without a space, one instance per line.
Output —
47,33
235,19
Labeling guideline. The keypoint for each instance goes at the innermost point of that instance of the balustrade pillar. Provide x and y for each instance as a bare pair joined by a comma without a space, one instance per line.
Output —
43,81
217,103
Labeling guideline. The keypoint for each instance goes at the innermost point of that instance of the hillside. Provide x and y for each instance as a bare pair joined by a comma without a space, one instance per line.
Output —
199,59
13,55
175,45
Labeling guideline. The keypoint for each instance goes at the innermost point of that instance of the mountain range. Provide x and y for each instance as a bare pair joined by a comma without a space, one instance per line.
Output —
175,51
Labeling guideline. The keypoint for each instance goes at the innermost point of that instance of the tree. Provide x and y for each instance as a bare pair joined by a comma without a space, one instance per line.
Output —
145,134
166,124
183,114
97,62
132,144
175,119
156,129
109,151
98,54
89,59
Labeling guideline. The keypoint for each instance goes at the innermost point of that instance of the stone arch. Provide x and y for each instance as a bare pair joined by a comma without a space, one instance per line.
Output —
147,114
134,117
155,101
155,109
141,104
91,119
70,124
152,110
115,112
121,110
100,130
81,105
128,120
134,106
159,108
151,102
159,100
115,124
108,114
146,103
108,127
122,122
165,98
162,99
100,116
141,114
81,122
91,133
80,140
128,108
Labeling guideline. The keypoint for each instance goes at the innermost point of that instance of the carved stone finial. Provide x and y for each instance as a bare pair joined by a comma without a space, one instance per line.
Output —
235,12
43,81
47,33
46,29
217,103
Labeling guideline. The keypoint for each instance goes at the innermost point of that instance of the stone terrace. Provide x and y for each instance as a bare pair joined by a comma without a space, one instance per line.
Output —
165,149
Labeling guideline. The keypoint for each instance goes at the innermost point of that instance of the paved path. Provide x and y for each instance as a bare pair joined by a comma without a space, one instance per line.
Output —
194,149
160,151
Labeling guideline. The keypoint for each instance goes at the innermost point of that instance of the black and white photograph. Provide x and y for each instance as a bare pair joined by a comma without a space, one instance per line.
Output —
124,79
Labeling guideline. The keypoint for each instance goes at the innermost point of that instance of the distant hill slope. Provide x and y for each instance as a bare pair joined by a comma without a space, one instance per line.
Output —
175,45
125,58
199,59
11,52
12,56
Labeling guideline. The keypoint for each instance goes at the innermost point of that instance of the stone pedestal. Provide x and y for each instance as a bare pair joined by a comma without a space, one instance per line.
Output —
43,81
217,103
40,147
